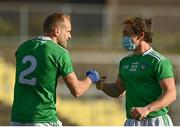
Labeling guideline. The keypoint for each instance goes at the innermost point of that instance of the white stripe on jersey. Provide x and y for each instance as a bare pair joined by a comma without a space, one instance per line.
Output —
160,56
154,54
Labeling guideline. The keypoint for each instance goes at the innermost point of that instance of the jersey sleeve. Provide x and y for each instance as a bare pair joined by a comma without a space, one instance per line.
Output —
65,64
163,69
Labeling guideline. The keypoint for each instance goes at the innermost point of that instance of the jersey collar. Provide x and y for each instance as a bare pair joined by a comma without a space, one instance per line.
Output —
148,51
45,38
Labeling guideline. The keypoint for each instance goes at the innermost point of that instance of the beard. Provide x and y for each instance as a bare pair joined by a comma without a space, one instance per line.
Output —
63,44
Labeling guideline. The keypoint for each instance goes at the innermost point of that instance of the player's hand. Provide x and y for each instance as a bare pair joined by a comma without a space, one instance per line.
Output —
93,75
139,113
101,83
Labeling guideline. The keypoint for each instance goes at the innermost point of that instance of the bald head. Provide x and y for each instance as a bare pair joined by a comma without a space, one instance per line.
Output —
58,27
54,20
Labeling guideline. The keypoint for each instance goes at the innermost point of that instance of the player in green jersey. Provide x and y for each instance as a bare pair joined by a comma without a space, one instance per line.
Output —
39,63
145,77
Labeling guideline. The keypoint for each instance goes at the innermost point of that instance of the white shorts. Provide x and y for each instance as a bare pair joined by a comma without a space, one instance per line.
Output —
58,123
163,120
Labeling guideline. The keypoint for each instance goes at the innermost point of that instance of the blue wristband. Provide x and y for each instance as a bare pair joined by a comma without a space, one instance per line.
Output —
93,75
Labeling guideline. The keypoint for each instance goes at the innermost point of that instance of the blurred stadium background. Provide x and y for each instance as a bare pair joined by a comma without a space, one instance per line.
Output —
96,32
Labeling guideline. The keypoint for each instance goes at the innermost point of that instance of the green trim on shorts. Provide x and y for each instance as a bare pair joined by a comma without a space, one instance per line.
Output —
165,120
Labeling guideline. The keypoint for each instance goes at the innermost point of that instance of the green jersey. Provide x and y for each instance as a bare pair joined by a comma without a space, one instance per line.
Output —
39,63
141,75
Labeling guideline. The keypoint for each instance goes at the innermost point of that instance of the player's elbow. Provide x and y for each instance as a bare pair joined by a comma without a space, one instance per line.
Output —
174,95
76,93
113,95
173,98
122,93
119,95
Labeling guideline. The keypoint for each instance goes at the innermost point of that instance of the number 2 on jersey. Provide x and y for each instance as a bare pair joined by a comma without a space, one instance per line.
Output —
28,71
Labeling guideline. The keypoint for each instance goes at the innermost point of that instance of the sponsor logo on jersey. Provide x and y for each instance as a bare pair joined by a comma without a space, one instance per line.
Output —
144,66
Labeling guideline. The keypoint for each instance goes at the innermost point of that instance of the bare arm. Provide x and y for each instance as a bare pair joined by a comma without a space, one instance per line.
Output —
168,96
112,89
77,87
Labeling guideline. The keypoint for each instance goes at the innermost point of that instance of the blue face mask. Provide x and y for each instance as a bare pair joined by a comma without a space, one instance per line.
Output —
128,44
